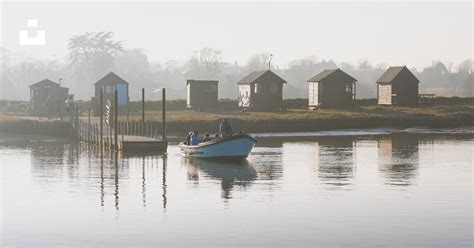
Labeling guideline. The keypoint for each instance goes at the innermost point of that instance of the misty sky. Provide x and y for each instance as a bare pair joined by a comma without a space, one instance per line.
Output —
413,34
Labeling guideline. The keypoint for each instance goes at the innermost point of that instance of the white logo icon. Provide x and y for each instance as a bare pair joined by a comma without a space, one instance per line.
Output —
26,40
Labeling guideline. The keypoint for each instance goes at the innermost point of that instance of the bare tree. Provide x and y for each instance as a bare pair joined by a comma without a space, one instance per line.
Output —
259,62
205,63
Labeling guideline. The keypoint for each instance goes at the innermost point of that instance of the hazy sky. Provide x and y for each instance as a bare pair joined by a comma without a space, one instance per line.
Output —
390,32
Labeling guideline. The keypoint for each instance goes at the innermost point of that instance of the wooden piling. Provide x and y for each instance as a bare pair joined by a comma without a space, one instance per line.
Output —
116,110
143,105
163,113
101,119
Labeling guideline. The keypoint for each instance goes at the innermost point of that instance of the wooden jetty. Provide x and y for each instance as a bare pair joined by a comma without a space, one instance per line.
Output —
128,137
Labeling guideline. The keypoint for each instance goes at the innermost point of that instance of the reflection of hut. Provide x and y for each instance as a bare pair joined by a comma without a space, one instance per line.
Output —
201,94
331,89
109,83
261,90
398,158
397,86
40,91
336,160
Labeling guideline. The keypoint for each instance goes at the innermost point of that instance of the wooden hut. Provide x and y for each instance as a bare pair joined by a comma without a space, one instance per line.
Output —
397,86
261,90
201,94
40,91
332,88
109,83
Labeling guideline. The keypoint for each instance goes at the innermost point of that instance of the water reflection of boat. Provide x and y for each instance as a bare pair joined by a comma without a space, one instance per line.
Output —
231,173
236,146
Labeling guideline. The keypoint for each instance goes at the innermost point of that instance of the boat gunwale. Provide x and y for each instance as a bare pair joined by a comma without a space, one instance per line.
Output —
217,141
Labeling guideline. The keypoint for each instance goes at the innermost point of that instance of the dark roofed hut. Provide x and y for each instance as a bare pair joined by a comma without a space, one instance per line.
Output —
332,88
40,91
261,90
201,94
397,86
109,83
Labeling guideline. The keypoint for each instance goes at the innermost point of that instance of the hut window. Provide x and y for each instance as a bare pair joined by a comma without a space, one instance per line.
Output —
274,88
256,88
348,88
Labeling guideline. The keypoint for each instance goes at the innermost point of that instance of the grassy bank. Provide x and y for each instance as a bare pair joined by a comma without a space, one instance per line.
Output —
294,120
225,105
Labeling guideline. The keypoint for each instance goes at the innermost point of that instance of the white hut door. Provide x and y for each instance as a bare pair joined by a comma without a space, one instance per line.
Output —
313,94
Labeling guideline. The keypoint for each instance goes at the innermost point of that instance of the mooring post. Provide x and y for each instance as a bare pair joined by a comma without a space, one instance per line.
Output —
143,105
101,128
163,113
116,120
76,121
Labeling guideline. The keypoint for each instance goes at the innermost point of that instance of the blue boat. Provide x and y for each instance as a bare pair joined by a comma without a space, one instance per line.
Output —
236,146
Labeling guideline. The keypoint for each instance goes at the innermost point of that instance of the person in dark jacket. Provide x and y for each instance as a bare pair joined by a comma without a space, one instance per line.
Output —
225,128
206,138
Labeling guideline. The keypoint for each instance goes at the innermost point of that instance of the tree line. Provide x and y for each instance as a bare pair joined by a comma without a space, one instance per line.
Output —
94,54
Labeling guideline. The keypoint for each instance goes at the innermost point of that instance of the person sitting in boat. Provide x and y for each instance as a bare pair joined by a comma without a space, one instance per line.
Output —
188,138
195,138
206,138
225,128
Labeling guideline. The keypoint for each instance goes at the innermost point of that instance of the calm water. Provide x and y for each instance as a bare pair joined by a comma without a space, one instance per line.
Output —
362,190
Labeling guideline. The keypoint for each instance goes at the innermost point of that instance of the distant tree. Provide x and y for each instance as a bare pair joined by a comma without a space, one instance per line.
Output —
465,70
133,64
93,53
258,62
205,63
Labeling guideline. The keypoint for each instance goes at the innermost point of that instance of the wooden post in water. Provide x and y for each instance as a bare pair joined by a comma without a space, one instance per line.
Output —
101,107
116,109
143,105
163,113
76,122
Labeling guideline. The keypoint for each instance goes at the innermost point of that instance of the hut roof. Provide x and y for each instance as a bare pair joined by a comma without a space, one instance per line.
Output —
254,76
328,72
189,81
45,82
111,78
392,72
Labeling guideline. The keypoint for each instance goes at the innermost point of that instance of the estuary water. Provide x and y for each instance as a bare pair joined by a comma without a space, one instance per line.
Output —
343,189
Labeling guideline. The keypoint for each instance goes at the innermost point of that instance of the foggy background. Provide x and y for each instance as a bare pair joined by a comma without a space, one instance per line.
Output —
154,44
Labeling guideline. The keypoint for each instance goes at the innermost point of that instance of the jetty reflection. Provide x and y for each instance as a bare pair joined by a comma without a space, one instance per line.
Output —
230,173
53,163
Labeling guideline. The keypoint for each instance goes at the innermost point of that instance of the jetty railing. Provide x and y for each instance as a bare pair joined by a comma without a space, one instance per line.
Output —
113,133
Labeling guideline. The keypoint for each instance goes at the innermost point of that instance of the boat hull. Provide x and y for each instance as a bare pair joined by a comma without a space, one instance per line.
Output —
236,146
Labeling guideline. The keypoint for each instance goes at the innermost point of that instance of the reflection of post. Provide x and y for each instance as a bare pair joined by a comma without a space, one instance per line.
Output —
143,181
163,115
164,186
101,177
116,182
